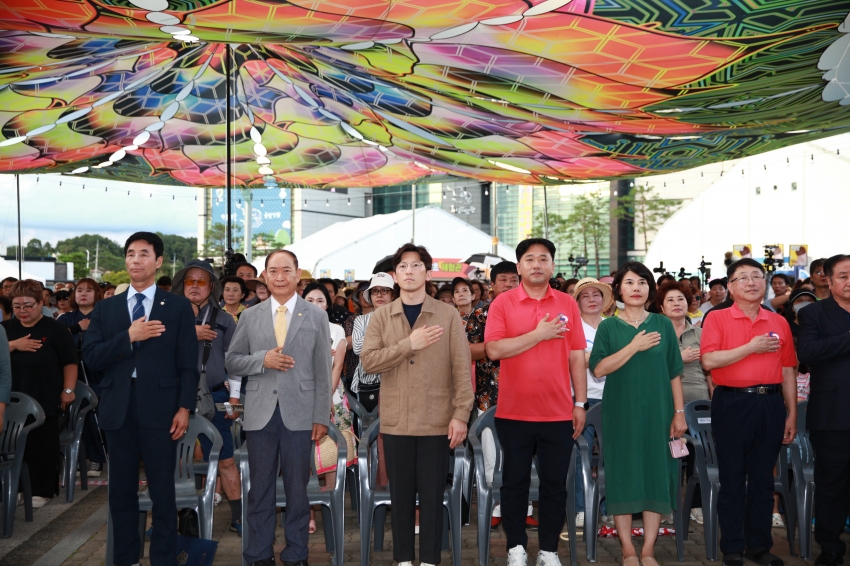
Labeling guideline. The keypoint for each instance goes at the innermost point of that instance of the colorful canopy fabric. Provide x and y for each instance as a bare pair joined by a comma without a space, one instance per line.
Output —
354,93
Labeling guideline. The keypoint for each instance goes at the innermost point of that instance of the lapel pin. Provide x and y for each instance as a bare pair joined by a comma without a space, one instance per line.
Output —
299,314
162,303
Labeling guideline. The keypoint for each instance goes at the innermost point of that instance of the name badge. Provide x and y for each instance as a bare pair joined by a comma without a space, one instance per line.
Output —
704,420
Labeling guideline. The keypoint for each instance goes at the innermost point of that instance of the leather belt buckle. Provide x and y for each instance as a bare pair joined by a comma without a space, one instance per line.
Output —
761,390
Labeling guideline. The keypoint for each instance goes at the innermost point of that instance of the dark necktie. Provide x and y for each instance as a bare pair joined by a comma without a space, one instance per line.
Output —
138,312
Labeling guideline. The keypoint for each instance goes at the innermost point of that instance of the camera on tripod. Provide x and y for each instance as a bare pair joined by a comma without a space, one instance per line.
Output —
770,263
660,269
577,262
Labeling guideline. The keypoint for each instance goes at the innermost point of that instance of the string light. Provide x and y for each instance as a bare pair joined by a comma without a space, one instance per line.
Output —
369,200
328,202
305,203
486,192
349,202
262,204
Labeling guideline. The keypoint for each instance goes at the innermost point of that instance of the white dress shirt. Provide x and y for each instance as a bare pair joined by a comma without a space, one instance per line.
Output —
290,307
147,303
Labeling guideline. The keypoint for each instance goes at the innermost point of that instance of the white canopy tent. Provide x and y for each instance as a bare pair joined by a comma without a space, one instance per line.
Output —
357,245
10,269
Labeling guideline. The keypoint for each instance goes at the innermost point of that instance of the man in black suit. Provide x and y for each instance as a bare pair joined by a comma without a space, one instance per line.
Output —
145,344
824,344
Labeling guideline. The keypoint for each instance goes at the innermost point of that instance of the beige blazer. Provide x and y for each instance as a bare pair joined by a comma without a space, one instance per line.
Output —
420,391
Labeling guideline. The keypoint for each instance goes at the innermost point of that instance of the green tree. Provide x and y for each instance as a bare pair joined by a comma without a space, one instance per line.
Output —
79,261
34,248
215,240
106,253
588,224
179,249
646,210
116,277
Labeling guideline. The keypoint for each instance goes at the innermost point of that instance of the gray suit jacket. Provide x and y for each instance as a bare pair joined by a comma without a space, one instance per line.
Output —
303,392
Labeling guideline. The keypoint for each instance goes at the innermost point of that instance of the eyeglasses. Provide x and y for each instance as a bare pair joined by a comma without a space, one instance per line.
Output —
415,266
23,307
380,291
198,282
748,278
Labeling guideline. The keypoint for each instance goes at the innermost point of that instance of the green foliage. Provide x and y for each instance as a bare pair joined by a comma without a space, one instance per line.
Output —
34,248
116,277
79,261
215,240
646,210
179,247
586,228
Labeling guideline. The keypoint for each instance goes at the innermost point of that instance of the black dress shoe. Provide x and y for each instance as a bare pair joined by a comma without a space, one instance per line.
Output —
264,562
763,557
829,559
734,559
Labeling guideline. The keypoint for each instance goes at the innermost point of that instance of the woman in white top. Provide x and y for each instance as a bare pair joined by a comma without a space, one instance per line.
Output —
365,386
317,294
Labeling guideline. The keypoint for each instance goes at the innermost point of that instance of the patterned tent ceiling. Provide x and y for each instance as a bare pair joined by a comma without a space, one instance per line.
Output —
355,93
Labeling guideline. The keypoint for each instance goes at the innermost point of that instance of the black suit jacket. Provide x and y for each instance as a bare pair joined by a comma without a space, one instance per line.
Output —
824,344
166,366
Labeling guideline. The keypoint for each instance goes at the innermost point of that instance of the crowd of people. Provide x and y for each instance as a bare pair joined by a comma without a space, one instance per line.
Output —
539,348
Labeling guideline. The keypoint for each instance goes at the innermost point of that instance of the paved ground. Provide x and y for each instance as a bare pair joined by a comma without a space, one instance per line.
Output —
75,535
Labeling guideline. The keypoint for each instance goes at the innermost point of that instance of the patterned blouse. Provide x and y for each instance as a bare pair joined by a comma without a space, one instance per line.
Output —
486,371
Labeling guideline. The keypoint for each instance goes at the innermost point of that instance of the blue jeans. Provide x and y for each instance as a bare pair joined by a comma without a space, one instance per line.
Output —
587,433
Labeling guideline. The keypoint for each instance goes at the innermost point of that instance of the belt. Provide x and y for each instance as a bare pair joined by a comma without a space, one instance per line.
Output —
758,389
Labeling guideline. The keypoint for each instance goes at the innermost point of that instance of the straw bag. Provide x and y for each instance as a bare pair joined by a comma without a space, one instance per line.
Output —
325,452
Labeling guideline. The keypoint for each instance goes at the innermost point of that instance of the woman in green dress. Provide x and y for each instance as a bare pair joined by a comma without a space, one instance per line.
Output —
642,409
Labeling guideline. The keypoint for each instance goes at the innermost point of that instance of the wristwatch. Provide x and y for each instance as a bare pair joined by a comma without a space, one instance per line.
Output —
68,391
584,405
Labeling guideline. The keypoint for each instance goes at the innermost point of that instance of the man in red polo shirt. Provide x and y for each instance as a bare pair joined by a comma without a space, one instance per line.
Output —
750,353
537,335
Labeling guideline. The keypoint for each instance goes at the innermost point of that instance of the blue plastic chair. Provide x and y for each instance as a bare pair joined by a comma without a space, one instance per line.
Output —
332,499
594,488
13,470
188,495
374,499
70,439
803,464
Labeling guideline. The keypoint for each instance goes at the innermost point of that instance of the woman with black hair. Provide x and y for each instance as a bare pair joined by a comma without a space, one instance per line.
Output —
234,291
317,294
642,409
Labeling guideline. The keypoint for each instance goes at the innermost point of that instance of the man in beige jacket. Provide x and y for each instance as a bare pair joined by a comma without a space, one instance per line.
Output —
419,347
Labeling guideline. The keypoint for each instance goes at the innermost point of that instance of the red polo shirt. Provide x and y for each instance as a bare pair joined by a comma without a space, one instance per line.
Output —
535,385
730,328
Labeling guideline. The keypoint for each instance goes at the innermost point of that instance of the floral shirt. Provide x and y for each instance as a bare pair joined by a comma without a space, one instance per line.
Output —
486,371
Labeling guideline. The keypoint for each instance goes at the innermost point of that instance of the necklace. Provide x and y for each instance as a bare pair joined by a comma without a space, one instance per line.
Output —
645,314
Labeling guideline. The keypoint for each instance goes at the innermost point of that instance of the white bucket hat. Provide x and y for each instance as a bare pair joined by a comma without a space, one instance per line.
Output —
380,279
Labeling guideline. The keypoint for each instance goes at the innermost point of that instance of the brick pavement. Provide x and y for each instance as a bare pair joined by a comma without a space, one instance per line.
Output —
91,553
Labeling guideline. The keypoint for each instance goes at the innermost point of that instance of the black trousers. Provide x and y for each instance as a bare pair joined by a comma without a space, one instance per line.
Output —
417,464
42,458
832,487
748,430
155,448
554,444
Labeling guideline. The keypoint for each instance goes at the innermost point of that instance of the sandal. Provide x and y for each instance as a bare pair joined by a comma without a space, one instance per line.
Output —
312,528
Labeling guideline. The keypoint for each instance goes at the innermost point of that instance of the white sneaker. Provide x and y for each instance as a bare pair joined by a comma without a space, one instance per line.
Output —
405,563
696,515
39,502
548,559
580,519
778,523
517,556
667,519
416,530
216,499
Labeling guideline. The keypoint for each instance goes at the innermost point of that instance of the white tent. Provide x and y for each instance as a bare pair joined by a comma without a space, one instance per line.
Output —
359,244
10,269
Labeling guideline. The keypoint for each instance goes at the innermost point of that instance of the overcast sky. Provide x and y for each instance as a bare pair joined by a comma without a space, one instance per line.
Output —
51,213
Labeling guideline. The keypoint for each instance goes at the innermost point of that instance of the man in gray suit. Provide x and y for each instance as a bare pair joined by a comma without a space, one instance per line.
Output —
282,346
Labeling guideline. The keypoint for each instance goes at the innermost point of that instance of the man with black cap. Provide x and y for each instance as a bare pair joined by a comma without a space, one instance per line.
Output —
716,295
503,277
214,328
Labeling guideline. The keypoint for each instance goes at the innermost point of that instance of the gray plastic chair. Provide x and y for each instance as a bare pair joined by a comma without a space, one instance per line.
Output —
363,421
707,475
332,499
489,494
594,488
188,495
73,450
803,464
374,499
13,470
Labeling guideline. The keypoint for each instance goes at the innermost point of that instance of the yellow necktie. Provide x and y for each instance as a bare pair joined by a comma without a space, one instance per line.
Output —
280,325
